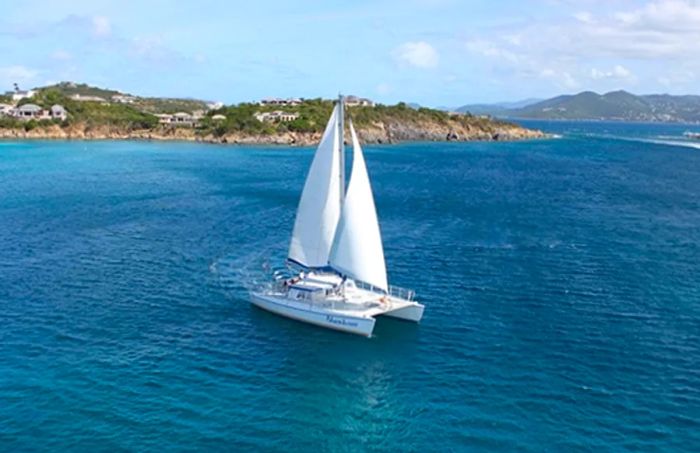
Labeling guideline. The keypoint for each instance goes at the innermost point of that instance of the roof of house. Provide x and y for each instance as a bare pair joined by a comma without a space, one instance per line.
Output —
29,108
56,108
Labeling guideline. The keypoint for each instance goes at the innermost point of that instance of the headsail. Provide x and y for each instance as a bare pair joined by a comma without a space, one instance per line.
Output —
319,206
357,249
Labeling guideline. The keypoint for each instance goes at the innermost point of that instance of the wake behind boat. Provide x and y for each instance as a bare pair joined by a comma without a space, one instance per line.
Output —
341,281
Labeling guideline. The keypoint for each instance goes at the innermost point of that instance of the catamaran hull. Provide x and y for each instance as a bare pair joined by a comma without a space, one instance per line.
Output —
413,312
301,312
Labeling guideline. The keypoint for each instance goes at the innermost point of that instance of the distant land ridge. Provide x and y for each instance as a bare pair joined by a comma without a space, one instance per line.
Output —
616,105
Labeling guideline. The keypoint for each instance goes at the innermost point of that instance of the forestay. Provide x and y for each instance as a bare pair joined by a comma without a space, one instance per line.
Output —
357,249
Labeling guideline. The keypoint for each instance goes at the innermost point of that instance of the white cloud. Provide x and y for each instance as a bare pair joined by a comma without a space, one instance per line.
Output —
384,88
563,79
599,45
419,54
61,55
618,72
584,16
101,26
677,77
17,74
491,50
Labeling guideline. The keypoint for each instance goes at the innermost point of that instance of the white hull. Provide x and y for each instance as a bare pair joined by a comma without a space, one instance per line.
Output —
413,312
303,311
338,314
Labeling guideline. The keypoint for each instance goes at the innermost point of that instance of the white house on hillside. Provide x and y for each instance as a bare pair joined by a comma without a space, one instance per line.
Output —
28,112
22,94
83,98
354,101
58,112
123,99
279,101
177,119
34,112
276,116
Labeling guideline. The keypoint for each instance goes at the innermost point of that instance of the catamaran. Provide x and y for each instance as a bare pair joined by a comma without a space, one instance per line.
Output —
336,252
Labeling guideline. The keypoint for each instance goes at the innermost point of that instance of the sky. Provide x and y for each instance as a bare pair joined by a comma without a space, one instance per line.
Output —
433,52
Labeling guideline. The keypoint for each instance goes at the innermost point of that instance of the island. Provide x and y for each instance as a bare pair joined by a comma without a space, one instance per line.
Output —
78,111
590,106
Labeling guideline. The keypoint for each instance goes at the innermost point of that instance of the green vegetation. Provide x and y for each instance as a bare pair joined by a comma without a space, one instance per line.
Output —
148,105
312,114
69,89
94,113
168,105
7,122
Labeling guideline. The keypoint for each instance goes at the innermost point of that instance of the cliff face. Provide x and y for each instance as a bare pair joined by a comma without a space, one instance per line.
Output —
390,132
379,132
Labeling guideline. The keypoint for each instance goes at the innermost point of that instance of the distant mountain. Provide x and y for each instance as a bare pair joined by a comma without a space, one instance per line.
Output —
496,108
615,105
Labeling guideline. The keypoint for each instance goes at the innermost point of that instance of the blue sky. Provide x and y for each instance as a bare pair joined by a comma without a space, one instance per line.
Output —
435,52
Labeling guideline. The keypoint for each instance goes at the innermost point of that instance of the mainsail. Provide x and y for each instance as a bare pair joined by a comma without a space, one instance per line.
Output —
319,207
357,249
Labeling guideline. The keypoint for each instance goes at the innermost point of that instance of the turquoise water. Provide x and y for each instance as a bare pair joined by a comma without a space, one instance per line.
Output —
560,279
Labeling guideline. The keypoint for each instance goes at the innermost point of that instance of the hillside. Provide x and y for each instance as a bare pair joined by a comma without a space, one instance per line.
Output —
241,123
145,104
615,105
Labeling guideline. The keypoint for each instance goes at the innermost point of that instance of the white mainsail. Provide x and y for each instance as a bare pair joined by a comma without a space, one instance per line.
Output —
319,206
357,249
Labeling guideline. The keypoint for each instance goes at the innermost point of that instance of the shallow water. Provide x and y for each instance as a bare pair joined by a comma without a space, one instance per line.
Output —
560,279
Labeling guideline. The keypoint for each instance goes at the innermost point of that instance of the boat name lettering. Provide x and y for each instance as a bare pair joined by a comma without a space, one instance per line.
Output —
340,321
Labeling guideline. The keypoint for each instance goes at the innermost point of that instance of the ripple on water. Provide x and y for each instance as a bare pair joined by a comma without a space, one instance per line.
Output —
557,275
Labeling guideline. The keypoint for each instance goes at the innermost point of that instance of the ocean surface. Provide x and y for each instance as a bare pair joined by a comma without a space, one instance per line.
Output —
561,280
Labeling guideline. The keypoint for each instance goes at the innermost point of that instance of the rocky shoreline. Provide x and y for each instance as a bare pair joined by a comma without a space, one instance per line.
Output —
377,133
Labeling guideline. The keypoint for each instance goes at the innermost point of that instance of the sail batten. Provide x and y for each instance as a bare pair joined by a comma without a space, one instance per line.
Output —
319,206
357,249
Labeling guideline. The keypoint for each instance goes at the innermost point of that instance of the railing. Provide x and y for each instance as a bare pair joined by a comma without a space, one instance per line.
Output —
394,291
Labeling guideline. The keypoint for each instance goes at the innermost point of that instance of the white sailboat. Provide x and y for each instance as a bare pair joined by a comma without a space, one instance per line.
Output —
337,248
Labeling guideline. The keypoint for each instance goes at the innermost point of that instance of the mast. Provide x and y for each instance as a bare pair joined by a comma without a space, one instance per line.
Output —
341,134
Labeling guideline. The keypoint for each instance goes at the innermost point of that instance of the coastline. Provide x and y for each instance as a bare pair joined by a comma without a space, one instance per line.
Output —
379,133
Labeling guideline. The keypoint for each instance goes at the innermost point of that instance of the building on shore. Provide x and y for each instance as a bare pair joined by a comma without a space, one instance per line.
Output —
58,112
123,99
85,98
354,101
280,101
28,112
276,116
178,119
183,119
18,95
5,109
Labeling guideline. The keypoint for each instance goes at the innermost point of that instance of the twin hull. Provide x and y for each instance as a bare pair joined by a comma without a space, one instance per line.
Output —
305,312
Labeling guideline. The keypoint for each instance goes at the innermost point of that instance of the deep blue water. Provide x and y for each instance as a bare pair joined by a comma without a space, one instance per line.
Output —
561,280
